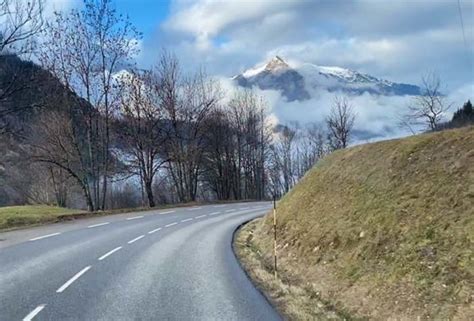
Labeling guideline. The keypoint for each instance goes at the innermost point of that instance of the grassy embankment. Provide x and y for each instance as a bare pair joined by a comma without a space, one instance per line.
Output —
17,216
379,231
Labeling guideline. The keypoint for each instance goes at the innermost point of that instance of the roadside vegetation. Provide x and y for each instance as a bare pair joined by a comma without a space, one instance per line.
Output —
380,231
17,216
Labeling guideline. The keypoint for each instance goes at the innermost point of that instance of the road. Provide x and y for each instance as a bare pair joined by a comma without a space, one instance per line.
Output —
170,264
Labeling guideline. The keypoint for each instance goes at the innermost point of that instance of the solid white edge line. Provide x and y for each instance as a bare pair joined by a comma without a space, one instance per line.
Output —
167,212
71,280
230,210
136,239
187,220
44,236
171,224
33,313
109,253
194,208
219,205
155,230
134,218
97,225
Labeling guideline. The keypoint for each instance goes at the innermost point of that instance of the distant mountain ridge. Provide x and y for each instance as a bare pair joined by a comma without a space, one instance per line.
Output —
297,83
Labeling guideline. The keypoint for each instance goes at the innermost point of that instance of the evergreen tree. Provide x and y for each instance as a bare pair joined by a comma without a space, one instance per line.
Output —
464,115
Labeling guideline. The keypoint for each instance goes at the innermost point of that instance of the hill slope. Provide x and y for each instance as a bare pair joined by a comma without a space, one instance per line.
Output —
383,230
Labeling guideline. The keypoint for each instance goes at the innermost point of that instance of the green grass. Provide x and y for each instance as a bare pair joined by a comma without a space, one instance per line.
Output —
395,218
16,216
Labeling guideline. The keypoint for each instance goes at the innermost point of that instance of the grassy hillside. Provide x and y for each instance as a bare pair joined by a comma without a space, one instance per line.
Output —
383,230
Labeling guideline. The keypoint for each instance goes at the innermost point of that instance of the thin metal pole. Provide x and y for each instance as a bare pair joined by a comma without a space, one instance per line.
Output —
275,238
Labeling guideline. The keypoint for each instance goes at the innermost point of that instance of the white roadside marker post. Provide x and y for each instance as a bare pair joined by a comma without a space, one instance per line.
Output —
274,238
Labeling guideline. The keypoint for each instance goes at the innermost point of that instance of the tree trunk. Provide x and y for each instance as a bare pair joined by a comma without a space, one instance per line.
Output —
149,193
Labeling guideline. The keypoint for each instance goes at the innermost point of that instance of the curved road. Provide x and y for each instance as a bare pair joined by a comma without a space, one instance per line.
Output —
173,264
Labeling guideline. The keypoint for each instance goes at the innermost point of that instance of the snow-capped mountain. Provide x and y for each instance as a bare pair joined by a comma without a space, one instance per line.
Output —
297,83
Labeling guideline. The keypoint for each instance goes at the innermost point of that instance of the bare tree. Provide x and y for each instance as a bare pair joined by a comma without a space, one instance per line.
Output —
58,144
429,107
20,21
84,50
187,102
141,122
248,116
340,123
311,146
284,157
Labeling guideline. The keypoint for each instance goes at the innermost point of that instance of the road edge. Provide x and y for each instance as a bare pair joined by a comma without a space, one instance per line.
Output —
234,246
293,299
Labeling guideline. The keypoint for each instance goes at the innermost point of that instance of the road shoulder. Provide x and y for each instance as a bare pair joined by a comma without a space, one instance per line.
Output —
292,297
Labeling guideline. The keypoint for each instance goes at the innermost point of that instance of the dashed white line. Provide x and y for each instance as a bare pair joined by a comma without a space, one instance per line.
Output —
186,220
44,236
194,208
230,210
171,224
109,253
215,213
97,225
167,212
134,218
74,278
136,239
201,216
155,230
33,313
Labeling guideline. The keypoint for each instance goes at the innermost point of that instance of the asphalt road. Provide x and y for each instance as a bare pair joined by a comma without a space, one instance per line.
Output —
173,264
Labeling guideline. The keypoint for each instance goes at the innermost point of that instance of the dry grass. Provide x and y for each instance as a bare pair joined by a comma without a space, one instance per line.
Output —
292,296
385,230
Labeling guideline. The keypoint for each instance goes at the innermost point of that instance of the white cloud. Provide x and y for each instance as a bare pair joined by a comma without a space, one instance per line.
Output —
396,40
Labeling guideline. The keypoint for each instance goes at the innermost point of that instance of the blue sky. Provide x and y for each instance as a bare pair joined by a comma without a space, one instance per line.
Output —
145,14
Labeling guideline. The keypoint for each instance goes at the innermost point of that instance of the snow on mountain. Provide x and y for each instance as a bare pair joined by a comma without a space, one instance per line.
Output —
297,82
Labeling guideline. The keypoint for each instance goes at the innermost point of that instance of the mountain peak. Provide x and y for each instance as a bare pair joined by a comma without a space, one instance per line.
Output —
276,63
295,81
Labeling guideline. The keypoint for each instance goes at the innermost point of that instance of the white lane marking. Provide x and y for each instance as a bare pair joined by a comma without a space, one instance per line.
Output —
96,225
74,278
187,220
230,210
245,208
219,205
109,253
136,239
155,230
201,216
215,213
171,224
167,212
194,208
134,218
33,313
44,236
